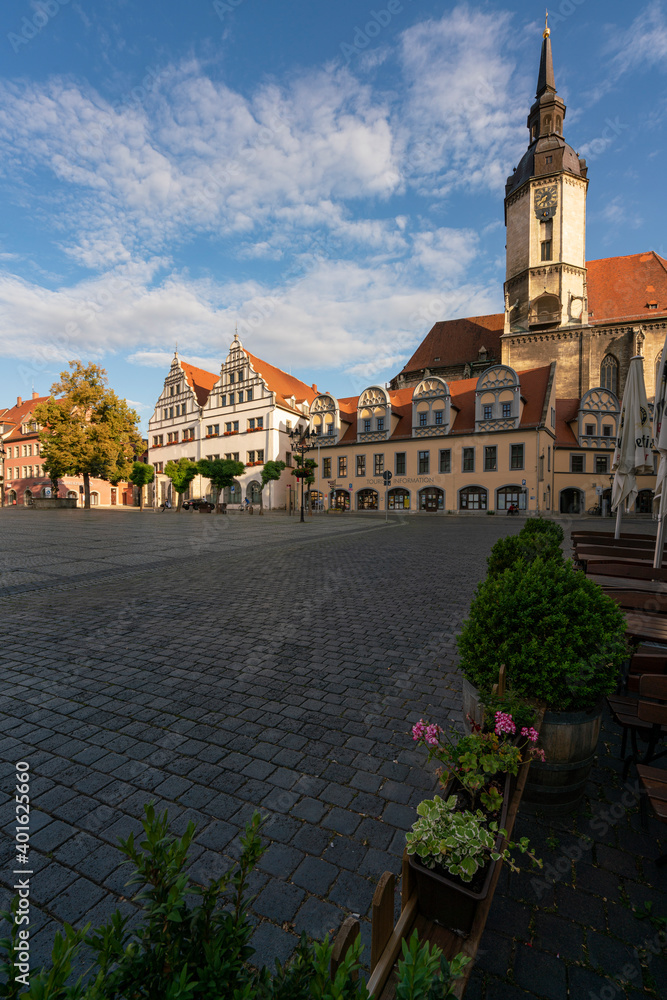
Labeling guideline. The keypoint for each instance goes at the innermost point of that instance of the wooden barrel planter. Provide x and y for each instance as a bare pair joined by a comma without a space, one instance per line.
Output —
569,741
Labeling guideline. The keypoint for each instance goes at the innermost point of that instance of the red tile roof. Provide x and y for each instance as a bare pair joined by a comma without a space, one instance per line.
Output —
534,387
566,411
16,415
199,380
622,287
455,341
619,288
284,386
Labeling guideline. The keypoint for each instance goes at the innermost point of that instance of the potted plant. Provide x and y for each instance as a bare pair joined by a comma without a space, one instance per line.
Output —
478,764
562,641
453,853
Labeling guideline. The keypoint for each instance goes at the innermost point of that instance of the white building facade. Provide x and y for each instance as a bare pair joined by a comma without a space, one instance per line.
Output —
245,414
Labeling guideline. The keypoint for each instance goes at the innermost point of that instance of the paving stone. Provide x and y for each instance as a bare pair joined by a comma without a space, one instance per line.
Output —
217,835
534,970
317,919
352,892
271,942
607,953
279,901
494,953
315,875
281,860
559,936
309,809
341,821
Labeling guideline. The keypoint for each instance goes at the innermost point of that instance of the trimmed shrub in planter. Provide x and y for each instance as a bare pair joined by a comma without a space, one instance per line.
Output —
541,526
525,548
561,638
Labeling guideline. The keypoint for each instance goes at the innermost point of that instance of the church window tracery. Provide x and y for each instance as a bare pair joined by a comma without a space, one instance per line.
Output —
609,373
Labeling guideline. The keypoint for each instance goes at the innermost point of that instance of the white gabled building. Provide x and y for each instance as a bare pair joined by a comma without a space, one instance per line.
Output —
245,413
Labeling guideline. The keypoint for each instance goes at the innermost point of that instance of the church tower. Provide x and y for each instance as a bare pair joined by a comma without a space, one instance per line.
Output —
545,216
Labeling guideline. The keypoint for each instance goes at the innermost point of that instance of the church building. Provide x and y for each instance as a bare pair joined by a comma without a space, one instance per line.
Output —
590,317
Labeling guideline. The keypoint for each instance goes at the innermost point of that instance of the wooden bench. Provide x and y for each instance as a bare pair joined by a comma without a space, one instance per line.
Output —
654,789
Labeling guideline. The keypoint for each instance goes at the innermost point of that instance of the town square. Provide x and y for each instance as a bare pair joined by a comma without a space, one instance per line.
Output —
333,501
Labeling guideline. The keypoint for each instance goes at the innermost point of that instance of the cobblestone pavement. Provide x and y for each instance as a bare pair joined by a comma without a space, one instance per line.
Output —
221,664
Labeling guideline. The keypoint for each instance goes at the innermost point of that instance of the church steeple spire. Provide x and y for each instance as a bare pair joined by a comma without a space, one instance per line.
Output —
548,110
545,77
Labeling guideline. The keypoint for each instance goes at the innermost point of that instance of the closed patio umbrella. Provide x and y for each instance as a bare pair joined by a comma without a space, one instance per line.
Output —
632,455
660,443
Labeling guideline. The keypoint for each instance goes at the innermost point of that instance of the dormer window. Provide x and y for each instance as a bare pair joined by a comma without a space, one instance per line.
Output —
367,426
488,412
380,423
507,410
590,430
423,419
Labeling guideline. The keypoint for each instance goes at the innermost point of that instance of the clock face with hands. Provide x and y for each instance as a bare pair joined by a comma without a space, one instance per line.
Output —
546,200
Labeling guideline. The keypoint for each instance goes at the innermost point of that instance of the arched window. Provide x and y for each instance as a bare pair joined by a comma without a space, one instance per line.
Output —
609,373
367,500
431,498
558,124
398,499
94,499
508,495
339,499
253,491
472,498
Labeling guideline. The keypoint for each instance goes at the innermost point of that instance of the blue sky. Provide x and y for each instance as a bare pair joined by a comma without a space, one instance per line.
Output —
325,173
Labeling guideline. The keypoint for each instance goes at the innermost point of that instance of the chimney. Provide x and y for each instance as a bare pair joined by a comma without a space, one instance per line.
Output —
314,387
35,395
19,401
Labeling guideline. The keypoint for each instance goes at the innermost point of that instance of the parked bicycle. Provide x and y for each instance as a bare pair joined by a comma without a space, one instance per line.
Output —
596,509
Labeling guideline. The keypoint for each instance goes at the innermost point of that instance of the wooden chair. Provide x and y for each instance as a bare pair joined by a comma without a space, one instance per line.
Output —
642,718
653,782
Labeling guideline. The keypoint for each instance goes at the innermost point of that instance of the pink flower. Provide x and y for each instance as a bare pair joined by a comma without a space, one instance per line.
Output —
504,723
538,754
531,733
418,730
431,736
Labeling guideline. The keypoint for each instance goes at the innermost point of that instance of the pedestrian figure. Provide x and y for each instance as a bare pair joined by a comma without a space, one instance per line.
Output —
166,505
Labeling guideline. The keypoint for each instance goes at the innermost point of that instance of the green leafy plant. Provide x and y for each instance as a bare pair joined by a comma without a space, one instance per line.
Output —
425,974
461,842
192,942
560,637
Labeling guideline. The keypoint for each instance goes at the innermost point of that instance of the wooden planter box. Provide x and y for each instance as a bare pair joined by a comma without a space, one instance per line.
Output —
445,900
386,939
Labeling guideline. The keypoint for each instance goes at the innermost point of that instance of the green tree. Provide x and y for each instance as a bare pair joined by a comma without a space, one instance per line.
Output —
181,474
141,475
221,472
271,472
88,431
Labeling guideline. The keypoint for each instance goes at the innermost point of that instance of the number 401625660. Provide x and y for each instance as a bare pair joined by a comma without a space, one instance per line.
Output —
22,812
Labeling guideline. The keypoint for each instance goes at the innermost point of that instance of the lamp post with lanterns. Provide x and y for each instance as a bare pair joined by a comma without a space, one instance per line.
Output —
300,442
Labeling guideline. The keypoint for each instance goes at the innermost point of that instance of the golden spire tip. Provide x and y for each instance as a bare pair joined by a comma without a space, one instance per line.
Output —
546,32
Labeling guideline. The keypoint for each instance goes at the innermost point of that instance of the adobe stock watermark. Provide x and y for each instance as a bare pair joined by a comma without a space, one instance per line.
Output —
225,7
600,825
45,11
364,34
596,147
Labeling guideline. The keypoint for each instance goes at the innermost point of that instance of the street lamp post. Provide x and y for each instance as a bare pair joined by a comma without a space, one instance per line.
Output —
300,442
